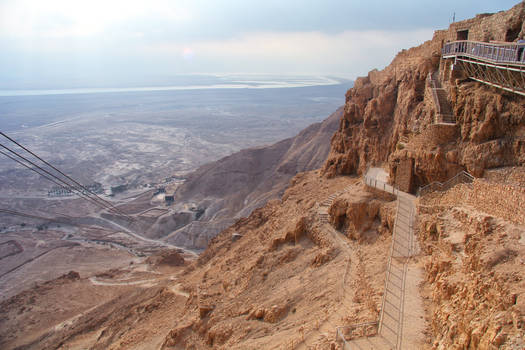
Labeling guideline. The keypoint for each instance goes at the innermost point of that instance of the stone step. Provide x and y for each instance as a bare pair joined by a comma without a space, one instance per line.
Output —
444,104
445,108
448,119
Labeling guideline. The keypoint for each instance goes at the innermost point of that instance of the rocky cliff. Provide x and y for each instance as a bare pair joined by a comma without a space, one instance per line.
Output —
294,270
474,265
389,117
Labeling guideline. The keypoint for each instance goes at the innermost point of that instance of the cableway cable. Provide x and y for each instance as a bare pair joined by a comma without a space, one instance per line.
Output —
107,204
68,188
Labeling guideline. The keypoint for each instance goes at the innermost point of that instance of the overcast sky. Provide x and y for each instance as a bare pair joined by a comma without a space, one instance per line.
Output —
113,41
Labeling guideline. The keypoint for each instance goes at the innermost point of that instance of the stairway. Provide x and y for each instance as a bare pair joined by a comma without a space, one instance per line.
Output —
444,111
446,114
327,203
444,105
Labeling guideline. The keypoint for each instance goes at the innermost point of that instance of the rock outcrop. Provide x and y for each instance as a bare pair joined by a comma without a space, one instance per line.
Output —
360,216
389,117
474,271
167,257
283,278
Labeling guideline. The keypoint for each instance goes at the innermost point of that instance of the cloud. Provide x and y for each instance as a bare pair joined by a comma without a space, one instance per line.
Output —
67,18
349,53
158,37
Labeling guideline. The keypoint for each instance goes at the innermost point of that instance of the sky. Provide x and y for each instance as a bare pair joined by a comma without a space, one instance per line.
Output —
70,43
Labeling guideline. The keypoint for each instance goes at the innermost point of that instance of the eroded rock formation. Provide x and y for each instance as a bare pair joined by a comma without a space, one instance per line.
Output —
389,117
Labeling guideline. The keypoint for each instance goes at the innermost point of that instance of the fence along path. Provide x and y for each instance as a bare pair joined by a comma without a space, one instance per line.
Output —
401,280
461,177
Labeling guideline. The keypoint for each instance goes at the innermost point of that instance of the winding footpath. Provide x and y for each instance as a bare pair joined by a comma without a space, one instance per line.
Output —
324,328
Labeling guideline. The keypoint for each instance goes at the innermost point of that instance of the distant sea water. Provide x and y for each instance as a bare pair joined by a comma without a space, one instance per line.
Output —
211,82
179,99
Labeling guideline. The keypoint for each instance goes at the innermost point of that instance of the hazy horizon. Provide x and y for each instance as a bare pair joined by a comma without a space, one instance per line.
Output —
185,82
66,44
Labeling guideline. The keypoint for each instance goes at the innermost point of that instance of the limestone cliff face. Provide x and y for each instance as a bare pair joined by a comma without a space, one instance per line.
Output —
389,118
380,109
492,132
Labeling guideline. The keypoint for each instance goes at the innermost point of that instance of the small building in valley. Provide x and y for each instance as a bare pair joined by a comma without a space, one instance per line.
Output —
169,199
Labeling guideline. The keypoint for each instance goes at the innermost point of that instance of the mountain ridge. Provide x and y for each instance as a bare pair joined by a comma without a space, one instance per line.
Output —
254,176
302,271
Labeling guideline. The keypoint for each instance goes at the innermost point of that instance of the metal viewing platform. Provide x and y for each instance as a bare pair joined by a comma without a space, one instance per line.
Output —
496,64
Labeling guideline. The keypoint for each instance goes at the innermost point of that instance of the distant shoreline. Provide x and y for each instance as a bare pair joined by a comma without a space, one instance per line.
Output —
233,85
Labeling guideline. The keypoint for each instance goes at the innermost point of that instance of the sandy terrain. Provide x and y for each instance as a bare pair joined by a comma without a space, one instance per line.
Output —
59,304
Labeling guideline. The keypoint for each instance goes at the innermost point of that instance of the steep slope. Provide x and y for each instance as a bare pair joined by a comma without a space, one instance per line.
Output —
474,241
285,278
218,193
471,235
288,280
389,116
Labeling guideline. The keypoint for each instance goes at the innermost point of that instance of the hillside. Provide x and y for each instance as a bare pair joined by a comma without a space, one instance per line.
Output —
308,270
232,187
389,115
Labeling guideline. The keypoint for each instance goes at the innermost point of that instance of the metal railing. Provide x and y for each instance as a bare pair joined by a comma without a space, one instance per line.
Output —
393,300
440,117
380,185
461,177
434,93
511,53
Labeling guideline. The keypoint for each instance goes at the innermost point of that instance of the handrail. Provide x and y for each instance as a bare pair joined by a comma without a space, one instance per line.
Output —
400,232
461,177
440,117
380,185
434,93
499,53
498,43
